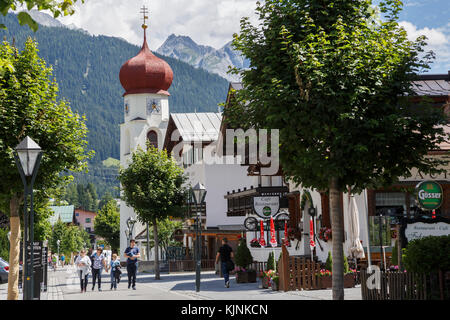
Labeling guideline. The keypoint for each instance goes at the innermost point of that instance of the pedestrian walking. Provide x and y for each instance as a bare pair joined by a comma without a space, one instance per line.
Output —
99,262
132,254
225,254
115,271
83,264
63,260
54,262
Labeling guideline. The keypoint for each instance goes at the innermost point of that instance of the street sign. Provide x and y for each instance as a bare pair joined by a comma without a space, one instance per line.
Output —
429,195
266,207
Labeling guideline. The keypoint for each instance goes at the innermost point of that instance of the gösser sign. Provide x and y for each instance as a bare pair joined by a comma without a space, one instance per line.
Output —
266,206
429,195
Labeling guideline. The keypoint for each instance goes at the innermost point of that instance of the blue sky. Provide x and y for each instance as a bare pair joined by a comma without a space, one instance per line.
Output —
212,22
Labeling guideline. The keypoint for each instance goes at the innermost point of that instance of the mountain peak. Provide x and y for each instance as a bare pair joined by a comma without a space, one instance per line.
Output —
206,57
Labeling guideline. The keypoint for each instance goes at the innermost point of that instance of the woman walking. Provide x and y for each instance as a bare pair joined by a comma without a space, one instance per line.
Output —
115,271
83,264
97,267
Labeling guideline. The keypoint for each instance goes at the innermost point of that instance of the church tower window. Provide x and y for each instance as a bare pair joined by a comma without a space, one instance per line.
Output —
152,136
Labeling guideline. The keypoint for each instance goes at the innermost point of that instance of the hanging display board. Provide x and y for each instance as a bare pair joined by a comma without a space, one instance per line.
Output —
266,207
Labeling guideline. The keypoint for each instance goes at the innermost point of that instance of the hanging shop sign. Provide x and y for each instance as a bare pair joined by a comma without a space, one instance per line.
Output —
419,228
266,207
429,195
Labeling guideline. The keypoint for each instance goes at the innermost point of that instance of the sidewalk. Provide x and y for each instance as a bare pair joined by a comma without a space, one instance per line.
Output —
64,285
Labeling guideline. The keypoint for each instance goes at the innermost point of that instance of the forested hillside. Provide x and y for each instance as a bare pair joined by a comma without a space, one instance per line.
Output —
87,70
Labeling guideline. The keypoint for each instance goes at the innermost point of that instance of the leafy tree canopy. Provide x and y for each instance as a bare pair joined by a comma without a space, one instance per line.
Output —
153,185
336,80
57,7
29,107
107,224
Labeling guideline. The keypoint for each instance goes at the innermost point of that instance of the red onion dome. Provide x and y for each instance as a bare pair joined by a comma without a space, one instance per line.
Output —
146,73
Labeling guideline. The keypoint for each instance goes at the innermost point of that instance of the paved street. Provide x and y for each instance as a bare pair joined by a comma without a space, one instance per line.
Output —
64,285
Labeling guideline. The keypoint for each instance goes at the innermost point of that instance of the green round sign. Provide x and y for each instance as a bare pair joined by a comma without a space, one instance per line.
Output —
429,195
267,211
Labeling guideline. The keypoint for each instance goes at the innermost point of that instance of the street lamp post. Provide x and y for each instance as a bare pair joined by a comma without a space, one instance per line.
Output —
199,193
28,156
58,242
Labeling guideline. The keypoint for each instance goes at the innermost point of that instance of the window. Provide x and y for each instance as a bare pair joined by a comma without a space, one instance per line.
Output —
76,214
152,136
88,220
88,229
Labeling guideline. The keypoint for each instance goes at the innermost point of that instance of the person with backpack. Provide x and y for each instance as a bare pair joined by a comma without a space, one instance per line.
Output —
225,254
99,262
115,271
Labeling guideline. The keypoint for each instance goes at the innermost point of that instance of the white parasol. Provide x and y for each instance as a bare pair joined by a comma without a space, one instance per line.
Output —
356,249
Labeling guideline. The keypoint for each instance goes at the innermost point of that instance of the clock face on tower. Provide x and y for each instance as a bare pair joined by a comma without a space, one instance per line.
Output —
153,106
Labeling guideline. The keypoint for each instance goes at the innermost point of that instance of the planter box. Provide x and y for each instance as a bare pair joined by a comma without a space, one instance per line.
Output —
251,276
241,277
326,281
275,286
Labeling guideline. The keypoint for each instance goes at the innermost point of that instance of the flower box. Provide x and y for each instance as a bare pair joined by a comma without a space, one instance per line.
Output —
241,277
325,282
246,276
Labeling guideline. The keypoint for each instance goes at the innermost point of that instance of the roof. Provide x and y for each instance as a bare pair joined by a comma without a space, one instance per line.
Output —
63,212
431,87
198,126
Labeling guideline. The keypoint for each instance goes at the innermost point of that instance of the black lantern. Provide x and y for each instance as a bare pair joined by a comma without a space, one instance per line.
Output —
28,156
199,192
130,225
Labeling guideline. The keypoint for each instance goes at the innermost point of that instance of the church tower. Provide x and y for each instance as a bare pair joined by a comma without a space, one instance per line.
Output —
145,79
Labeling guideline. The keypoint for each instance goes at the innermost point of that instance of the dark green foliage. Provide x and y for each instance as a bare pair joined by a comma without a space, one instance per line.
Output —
394,257
346,267
329,262
4,244
105,199
270,262
87,71
107,224
82,196
153,185
427,255
243,257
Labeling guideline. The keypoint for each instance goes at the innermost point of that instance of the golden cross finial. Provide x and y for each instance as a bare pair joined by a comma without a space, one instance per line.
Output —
144,11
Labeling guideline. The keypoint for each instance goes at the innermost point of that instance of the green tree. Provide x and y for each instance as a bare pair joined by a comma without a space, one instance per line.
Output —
107,224
335,80
153,186
166,231
61,7
107,197
270,262
58,231
29,107
243,257
72,240
4,244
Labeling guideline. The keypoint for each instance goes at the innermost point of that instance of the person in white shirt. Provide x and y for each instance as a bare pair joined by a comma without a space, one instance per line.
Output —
83,264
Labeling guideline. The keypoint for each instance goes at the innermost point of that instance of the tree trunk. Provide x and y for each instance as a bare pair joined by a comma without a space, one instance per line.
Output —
14,251
155,237
337,236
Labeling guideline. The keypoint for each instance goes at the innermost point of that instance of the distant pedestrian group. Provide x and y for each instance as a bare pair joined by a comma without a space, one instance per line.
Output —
95,263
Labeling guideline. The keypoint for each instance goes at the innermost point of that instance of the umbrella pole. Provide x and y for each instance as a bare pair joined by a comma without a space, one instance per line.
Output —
366,216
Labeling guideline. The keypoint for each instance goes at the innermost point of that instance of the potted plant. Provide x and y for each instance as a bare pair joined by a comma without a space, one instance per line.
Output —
275,283
266,278
325,234
243,259
255,243
325,277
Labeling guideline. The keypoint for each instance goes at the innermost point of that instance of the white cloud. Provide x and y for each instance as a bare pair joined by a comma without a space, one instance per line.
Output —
207,22
438,40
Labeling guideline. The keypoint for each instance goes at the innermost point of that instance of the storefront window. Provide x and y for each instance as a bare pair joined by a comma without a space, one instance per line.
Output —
391,204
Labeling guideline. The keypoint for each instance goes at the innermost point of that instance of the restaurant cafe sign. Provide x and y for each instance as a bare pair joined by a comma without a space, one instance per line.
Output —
265,207
419,228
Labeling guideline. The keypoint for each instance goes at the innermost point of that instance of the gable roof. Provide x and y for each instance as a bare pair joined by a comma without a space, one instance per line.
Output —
197,127
63,212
